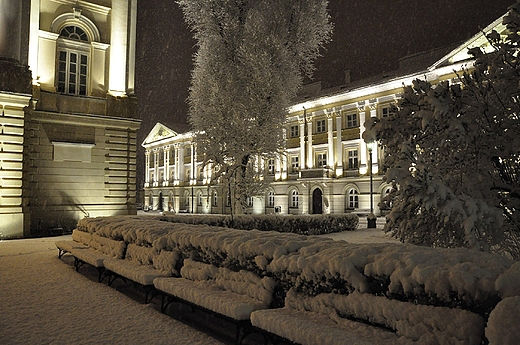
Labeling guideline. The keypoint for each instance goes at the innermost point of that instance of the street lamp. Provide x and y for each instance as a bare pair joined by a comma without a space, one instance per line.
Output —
371,219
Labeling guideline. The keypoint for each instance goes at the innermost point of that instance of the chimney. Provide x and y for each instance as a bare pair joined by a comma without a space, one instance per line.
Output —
347,77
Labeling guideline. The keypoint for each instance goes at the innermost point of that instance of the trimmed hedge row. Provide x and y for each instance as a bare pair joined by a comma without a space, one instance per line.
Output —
296,224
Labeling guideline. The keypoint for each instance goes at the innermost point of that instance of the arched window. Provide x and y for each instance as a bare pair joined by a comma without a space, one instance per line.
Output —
74,32
228,199
187,198
270,199
73,59
352,198
199,199
294,199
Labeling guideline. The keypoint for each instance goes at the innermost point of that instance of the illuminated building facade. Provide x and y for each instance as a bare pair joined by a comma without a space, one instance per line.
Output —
325,167
68,113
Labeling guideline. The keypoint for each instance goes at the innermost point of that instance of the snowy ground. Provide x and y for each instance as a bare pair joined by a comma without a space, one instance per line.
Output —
43,301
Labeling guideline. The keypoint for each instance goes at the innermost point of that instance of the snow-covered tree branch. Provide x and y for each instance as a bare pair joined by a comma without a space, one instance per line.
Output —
453,153
251,58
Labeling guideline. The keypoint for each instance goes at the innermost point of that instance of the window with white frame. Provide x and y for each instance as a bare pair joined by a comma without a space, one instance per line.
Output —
270,199
294,163
295,131
249,201
270,166
352,120
321,160
73,59
352,198
294,199
386,111
352,159
215,199
321,126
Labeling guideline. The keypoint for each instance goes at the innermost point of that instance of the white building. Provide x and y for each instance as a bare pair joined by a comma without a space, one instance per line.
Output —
67,113
326,165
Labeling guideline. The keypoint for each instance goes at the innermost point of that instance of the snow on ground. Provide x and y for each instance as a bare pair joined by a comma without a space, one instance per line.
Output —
43,301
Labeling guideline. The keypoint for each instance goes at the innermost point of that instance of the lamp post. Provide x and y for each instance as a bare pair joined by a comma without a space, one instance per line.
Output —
371,219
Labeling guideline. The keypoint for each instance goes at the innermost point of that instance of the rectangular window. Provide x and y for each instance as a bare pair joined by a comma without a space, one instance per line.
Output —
352,120
385,111
294,199
295,131
270,199
294,163
72,73
320,126
270,166
321,160
352,159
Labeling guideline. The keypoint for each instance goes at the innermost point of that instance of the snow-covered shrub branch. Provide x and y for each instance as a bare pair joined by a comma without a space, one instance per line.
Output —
250,63
452,154
388,285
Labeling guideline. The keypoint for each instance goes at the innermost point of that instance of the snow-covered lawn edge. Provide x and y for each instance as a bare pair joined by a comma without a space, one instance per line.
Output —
459,284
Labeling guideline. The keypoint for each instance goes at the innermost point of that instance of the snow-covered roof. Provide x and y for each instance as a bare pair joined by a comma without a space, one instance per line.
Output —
426,65
479,40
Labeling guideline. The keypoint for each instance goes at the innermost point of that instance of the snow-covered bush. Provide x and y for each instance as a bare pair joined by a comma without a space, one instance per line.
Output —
389,285
81,237
451,151
142,255
108,246
418,323
502,327
241,282
298,224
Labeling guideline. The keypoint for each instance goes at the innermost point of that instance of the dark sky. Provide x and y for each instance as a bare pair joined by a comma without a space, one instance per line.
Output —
369,38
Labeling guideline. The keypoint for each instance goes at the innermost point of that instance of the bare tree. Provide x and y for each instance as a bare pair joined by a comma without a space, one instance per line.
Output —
251,59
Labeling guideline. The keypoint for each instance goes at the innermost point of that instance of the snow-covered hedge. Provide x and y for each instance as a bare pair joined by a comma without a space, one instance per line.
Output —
298,224
380,284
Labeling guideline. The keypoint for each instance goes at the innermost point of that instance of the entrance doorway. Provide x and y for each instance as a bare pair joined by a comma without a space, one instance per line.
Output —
160,206
317,201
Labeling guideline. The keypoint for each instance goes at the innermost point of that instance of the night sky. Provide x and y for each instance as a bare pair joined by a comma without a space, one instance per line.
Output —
369,38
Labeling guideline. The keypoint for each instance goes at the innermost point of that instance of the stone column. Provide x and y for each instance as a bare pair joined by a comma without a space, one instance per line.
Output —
166,167
310,157
147,171
330,140
118,47
10,29
339,146
155,167
176,162
362,147
302,145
